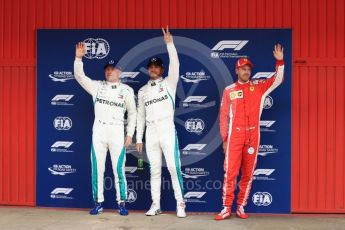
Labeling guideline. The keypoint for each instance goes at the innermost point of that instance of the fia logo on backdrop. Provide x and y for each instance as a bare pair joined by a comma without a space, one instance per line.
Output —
194,125
96,48
262,198
62,123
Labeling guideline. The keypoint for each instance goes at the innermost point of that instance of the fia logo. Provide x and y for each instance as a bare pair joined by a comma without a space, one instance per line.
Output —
96,48
62,123
194,125
268,102
131,196
262,198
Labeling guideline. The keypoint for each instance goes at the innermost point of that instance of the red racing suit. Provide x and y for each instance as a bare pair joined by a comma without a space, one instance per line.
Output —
240,113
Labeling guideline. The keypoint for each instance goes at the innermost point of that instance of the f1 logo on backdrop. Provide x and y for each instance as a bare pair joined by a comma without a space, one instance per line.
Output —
229,49
65,144
194,147
96,48
129,77
61,146
266,124
65,191
195,99
194,195
130,169
263,174
197,102
62,99
264,75
129,74
266,172
61,193
230,44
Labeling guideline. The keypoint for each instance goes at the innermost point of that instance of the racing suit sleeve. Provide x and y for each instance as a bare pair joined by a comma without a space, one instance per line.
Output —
141,117
131,113
224,115
270,84
174,66
89,85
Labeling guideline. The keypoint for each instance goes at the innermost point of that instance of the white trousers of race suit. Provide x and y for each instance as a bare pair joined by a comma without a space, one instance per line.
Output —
108,136
161,138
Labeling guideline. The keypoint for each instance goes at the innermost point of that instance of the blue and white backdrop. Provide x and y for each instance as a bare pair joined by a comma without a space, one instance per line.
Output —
207,57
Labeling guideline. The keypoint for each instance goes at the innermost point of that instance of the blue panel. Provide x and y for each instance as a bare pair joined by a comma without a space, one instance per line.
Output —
64,125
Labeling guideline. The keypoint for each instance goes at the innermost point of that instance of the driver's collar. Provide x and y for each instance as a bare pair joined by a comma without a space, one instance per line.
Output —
117,83
243,83
153,82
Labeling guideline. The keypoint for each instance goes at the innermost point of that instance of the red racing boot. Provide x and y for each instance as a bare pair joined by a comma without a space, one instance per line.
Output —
224,214
240,213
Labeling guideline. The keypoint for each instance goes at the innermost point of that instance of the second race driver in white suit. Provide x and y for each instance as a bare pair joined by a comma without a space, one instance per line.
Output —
156,106
111,100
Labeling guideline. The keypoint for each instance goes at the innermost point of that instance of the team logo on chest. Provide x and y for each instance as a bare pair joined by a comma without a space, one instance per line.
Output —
121,94
110,103
236,94
161,89
155,100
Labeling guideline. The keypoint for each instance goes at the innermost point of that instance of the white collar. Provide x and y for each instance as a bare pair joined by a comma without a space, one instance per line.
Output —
113,83
155,81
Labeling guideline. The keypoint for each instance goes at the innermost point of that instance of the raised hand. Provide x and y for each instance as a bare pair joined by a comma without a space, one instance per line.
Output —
167,36
79,50
278,52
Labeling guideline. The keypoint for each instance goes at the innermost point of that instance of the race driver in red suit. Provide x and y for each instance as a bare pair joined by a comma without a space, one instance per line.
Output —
240,113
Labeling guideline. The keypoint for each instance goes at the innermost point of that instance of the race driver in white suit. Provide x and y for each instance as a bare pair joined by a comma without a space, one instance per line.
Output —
111,100
156,106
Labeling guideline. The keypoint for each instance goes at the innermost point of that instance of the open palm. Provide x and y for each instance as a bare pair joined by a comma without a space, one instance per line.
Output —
79,50
278,52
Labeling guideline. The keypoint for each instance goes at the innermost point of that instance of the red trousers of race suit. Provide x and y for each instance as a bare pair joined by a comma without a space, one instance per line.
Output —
241,153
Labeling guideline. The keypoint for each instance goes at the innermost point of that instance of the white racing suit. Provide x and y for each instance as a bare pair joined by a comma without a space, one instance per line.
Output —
156,106
111,101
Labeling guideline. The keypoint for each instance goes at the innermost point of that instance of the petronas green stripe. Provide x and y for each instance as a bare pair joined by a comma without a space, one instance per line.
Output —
122,178
94,174
178,166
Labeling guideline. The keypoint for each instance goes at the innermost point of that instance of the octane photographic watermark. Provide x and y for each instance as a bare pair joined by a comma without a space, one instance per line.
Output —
189,185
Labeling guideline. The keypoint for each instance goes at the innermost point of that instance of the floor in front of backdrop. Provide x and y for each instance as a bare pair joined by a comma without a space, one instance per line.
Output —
15,218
